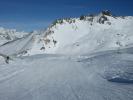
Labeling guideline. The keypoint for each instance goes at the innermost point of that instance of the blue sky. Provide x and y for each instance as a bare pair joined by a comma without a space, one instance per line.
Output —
30,15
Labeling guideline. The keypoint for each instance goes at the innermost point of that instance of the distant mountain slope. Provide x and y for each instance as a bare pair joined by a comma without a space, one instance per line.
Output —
18,46
7,35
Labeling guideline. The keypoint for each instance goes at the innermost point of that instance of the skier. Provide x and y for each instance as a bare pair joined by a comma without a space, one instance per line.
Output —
7,59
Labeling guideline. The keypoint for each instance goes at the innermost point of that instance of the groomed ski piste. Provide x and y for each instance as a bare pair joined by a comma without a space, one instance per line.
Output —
100,72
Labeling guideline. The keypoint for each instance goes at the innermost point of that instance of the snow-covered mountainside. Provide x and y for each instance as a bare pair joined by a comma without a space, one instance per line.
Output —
7,35
85,34
78,36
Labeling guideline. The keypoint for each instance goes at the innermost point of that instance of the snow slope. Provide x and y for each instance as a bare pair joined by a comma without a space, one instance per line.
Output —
18,46
89,34
7,35
58,77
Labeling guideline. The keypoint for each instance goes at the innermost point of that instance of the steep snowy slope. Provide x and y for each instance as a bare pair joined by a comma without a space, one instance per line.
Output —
7,35
85,34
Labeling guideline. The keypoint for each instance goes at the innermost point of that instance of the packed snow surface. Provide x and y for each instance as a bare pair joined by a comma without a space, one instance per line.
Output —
60,77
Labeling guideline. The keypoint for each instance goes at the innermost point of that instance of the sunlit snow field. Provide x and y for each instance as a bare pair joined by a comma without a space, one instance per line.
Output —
108,76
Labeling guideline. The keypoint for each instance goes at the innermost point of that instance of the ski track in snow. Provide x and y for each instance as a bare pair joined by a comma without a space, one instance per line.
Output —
56,77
